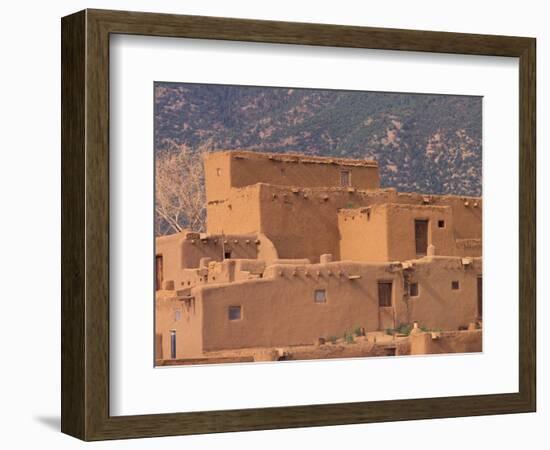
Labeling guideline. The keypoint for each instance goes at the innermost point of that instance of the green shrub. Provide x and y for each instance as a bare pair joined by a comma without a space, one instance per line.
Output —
404,328
348,338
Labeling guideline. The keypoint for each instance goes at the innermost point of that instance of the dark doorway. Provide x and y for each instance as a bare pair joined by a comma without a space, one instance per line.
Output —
421,237
158,272
384,293
480,297
385,303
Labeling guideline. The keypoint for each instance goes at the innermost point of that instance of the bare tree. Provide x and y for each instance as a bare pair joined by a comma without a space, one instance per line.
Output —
179,188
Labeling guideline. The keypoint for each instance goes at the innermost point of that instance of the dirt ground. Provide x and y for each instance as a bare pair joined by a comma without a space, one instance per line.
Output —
372,345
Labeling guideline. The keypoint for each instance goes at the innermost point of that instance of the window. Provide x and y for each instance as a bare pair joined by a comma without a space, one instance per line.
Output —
441,223
177,315
227,254
320,296
455,285
234,313
345,178
218,171
413,289
384,293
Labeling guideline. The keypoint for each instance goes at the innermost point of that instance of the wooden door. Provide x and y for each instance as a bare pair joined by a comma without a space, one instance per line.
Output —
386,319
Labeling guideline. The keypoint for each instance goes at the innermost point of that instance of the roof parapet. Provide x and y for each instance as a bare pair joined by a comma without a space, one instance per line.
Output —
292,157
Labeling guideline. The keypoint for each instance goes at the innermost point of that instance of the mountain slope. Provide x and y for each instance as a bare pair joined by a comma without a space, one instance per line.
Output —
425,143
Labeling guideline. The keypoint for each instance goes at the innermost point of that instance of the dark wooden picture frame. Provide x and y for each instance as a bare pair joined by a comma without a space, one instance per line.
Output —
85,224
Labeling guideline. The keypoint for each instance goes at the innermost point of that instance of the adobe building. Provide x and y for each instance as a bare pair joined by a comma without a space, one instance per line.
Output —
301,248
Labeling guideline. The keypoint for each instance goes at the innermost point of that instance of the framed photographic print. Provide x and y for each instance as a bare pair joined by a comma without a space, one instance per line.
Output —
272,225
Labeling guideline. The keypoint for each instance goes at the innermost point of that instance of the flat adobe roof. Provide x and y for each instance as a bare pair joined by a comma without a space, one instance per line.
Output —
297,158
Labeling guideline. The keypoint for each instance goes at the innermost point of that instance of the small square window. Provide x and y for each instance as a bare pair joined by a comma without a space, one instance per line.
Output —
234,313
413,289
227,255
455,285
320,296
441,223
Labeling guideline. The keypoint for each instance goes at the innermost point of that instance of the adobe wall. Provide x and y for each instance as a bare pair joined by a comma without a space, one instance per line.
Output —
184,250
447,342
281,310
437,305
228,271
467,215
225,271
401,229
386,231
301,223
170,249
235,169
238,212
467,212
217,175
187,325
364,234
304,222
278,306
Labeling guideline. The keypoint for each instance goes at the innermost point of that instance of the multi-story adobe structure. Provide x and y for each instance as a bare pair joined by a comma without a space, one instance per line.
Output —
300,247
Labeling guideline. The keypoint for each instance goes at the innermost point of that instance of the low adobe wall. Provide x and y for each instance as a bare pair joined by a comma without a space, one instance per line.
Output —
447,342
